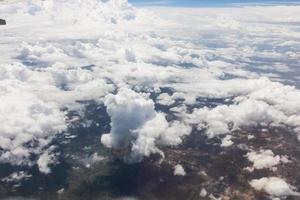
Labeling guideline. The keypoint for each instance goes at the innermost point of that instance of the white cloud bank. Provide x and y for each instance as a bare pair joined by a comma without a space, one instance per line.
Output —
27,123
256,102
86,49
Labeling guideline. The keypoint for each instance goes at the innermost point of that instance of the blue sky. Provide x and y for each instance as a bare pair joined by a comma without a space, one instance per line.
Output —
196,3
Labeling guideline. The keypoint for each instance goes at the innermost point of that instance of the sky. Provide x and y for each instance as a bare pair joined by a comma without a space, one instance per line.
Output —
207,3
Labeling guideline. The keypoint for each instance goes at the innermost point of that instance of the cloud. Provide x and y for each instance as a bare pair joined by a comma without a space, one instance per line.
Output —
165,99
274,186
265,159
26,119
46,159
269,110
226,141
128,111
136,125
203,192
217,79
16,177
179,170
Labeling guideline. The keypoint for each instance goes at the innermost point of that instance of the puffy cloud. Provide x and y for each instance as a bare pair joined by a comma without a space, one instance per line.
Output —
165,99
26,119
226,141
40,79
93,11
274,186
135,124
46,158
129,111
269,110
265,159
179,170
203,192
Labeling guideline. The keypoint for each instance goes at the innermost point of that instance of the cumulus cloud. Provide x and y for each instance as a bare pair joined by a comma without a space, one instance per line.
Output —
265,159
26,118
226,141
179,170
274,186
165,99
203,192
128,110
269,110
47,158
135,124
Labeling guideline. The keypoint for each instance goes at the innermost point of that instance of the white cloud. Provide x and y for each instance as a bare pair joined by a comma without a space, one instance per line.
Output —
269,110
265,159
203,192
129,111
25,118
274,186
179,170
226,141
16,177
136,124
47,158
165,99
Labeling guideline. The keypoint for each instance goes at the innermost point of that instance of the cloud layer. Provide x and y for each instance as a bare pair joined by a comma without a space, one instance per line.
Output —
118,55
